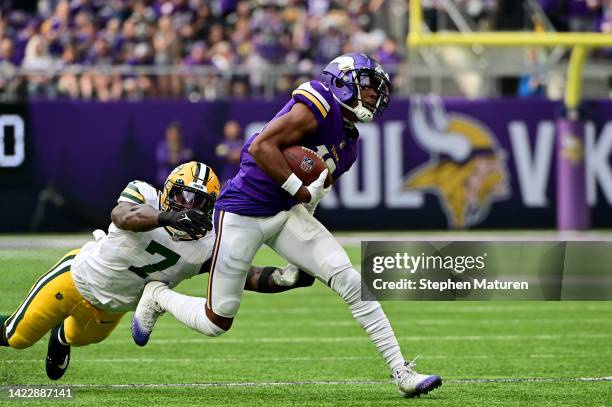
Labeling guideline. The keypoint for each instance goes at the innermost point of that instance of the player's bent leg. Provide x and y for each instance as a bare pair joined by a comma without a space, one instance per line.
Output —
87,324
188,310
157,298
237,240
49,301
307,243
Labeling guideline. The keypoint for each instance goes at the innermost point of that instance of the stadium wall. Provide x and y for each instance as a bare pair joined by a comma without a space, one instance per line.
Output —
427,165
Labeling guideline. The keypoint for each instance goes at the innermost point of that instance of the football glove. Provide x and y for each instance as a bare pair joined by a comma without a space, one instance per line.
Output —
191,221
312,205
317,190
286,277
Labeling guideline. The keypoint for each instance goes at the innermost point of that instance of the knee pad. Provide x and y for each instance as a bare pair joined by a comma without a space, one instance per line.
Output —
334,264
227,308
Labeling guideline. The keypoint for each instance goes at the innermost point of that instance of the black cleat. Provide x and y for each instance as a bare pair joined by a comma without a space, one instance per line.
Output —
58,355
3,340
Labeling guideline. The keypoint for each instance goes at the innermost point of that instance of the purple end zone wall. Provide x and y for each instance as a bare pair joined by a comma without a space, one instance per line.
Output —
425,165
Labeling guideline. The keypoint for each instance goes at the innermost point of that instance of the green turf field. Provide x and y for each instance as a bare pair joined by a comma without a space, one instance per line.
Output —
303,348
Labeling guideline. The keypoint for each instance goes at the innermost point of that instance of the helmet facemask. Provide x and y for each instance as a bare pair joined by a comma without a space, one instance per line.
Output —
181,197
347,75
357,80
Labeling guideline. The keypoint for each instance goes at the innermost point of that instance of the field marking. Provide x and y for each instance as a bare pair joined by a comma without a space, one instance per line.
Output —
364,338
373,357
442,306
329,383
433,322
349,239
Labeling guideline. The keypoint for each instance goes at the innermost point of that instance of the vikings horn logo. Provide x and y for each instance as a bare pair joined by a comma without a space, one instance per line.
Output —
466,168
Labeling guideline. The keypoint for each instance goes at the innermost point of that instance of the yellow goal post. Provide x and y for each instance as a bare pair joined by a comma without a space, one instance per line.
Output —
580,43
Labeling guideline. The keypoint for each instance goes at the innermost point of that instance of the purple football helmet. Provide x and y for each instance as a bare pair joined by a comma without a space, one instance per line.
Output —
347,74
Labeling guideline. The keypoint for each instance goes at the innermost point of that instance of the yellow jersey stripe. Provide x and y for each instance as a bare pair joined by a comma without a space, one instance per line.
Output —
308,88
313,99
133,194
133,187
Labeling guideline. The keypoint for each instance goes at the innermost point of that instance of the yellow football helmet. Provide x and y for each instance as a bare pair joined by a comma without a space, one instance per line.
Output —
192,185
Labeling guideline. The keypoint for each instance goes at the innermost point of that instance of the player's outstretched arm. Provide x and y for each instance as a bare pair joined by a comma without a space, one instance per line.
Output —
283,132
143,217
135,217
276,280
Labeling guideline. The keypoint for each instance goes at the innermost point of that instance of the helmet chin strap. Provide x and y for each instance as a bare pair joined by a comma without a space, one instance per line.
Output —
362,113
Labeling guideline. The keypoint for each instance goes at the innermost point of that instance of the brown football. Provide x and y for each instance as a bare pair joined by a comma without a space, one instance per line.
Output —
306,164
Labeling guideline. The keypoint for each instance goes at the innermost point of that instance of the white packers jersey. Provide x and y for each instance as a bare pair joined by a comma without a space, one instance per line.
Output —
111,272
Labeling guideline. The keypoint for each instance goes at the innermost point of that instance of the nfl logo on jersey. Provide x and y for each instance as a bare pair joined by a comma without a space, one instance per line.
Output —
307,164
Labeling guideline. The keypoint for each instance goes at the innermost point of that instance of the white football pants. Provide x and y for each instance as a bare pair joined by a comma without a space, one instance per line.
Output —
294,234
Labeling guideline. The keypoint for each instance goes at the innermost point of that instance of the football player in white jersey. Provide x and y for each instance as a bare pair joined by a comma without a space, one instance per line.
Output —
163,236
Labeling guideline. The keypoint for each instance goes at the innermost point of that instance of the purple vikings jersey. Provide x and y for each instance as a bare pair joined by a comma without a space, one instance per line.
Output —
252,192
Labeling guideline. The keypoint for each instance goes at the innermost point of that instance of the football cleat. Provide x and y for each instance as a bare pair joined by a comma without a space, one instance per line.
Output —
412,384
58,355
146,314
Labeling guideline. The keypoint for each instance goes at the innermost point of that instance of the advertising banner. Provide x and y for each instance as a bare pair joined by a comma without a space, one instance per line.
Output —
15,145
427,164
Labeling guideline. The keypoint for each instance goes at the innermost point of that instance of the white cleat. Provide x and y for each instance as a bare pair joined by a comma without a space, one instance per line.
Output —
412,384
146,314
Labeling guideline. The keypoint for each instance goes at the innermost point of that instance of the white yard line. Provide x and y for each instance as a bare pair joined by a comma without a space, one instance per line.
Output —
344,339
373,357
345,238
408,322
327,383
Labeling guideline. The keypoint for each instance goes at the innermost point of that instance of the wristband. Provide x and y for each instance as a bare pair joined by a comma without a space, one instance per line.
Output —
163,219
292,184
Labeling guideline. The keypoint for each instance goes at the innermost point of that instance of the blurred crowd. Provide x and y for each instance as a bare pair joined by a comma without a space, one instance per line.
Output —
490,15
579,15
207,49
222,47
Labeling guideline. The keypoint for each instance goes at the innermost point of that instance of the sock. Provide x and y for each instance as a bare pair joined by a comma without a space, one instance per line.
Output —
3,340
61,335
371,317
186,309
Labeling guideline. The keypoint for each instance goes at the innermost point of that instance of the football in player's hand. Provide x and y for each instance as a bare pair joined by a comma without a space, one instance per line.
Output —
306,164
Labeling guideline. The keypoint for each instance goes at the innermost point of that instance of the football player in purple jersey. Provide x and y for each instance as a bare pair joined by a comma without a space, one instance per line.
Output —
265,203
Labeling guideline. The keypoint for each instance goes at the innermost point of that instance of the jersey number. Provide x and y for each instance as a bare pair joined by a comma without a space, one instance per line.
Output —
170,260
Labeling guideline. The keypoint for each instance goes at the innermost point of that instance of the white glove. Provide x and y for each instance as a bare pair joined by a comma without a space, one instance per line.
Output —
312,207
286,277
317,189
